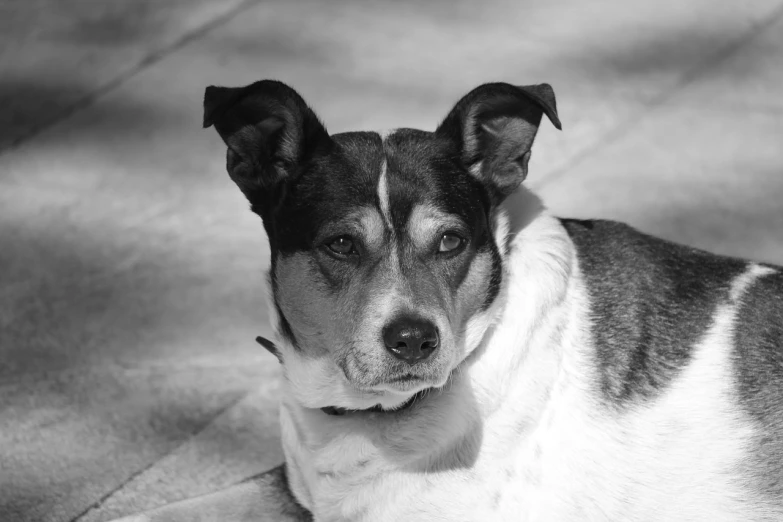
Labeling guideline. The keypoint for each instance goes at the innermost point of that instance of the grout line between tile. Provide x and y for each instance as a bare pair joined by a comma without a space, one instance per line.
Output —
649,108
152,58
98,503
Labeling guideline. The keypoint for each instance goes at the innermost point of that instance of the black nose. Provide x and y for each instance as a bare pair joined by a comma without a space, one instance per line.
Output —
411,339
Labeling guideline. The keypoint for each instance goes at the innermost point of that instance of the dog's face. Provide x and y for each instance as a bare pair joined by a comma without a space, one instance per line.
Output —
387,250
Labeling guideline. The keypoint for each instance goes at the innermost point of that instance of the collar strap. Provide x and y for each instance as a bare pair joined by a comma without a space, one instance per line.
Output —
337,411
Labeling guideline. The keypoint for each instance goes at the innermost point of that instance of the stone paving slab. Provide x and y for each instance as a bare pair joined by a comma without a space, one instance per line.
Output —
132,279
241,442
751,79
64,439
55,55
706,169
722,193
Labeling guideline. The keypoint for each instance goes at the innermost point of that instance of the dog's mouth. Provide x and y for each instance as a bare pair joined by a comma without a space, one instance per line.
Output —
406,377
402,384
409,382
406,383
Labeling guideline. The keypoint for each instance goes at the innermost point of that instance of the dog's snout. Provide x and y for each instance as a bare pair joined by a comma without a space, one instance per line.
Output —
411,339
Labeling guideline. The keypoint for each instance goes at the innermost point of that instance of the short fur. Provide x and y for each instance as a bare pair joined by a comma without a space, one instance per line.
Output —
584,371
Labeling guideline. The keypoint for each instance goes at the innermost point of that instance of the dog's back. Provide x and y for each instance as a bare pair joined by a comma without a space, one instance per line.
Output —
654,305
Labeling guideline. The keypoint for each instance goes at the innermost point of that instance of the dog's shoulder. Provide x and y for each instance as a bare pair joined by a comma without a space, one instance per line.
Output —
758,338
651,301
758,364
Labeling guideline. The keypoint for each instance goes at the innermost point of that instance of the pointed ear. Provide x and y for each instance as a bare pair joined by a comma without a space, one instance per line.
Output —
494,127
269,130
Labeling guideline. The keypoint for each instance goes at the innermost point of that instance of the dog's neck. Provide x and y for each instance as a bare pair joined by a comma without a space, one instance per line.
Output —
521,355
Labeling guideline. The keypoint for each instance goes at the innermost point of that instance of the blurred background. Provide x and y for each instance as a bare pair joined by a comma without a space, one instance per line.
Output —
131,271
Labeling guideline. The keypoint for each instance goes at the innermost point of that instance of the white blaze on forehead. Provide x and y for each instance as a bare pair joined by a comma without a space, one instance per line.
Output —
385,133
742,282
383,181
383,195
372,225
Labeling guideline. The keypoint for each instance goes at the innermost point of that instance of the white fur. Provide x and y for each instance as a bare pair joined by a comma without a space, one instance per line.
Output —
481,323
424,223
741,284
385,133
383,195
547,448
373,227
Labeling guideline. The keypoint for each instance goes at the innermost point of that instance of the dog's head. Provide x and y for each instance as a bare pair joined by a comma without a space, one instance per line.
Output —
387,250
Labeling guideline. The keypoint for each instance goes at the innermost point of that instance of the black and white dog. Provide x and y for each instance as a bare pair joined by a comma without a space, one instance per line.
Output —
453,352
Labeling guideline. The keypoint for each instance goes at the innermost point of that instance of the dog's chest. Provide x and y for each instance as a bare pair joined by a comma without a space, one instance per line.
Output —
671,460
573,466
354,480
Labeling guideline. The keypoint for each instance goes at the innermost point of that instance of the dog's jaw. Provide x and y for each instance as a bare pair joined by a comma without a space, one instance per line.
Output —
318,382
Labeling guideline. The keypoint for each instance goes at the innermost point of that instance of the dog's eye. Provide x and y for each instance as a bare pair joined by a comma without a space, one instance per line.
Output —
343,245
449,243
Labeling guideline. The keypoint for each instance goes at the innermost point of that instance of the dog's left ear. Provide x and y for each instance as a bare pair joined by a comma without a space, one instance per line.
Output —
270,133
494,126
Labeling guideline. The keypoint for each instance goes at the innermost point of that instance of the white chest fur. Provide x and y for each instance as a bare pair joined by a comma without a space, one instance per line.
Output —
521,434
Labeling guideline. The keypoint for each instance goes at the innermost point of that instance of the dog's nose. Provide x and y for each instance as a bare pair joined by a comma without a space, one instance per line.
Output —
411,339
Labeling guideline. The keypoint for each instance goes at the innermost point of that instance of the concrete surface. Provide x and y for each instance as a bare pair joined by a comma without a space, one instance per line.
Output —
131,270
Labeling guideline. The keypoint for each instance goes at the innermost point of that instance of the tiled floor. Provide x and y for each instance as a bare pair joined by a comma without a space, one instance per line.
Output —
131,271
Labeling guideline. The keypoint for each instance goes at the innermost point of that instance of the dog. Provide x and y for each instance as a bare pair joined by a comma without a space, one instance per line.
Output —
453,352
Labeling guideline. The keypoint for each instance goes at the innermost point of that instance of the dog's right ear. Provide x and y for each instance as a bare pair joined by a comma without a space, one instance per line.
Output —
269,130
494,126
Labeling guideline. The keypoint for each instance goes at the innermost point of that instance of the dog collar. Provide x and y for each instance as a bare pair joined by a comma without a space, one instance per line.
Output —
337,411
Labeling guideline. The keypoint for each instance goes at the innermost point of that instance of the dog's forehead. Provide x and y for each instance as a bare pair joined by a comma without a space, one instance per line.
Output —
398,159
391,176
398,172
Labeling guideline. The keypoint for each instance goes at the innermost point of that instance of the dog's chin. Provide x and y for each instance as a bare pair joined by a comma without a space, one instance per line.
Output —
398,391
393,400
315,383
389,395
408,385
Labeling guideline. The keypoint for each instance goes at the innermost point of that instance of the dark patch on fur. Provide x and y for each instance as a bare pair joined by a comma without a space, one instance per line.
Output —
270,347
283,327
493,127
651,301
759,369
495,278
329,188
